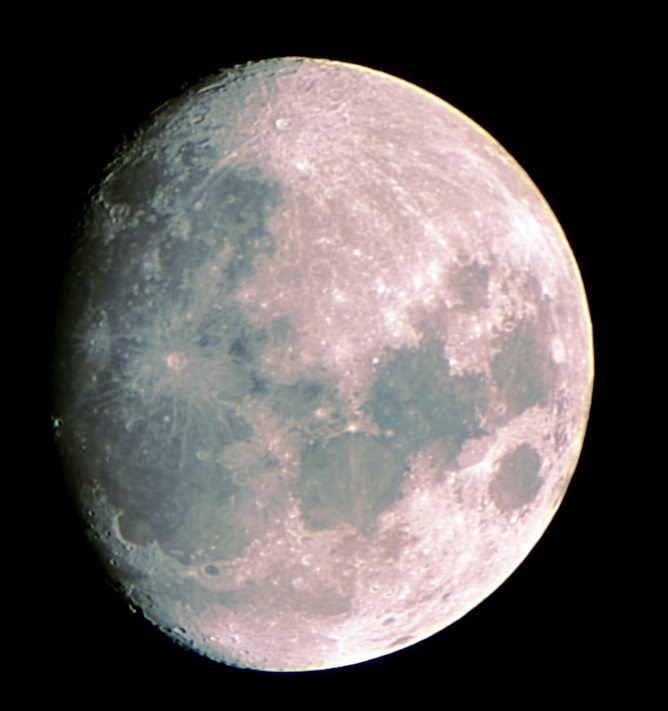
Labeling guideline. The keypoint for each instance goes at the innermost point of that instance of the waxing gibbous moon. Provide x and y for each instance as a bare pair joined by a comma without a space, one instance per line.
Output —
322,368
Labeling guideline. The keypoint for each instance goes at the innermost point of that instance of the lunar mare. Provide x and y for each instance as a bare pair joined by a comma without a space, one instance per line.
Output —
322,368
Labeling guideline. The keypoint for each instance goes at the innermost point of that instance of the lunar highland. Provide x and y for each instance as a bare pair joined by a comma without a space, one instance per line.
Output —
322,368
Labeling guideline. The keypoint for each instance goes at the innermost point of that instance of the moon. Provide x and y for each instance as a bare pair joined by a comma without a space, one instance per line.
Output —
322,368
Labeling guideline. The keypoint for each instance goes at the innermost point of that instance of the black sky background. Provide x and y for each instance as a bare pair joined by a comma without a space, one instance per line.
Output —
547,100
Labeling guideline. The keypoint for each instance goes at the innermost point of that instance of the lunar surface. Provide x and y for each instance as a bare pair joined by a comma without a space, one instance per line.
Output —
322,368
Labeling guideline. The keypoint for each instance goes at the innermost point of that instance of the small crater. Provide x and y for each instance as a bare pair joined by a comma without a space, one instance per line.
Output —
240,477
211,570
176,361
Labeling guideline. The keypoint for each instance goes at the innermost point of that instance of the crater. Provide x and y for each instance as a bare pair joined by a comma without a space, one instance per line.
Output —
516,482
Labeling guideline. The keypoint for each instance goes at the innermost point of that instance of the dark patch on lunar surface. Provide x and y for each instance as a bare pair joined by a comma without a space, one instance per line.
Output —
299,400
516,482
155,437
148,267
522,370
282,331
349,479
175,258
137,184
232,213
416,402
470,285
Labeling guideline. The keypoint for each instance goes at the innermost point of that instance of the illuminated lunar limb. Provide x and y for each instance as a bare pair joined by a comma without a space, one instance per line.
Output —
340,371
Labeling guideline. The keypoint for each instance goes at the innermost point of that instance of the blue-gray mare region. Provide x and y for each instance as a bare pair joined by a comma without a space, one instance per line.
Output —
152,356
149,388
416,402
351,478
